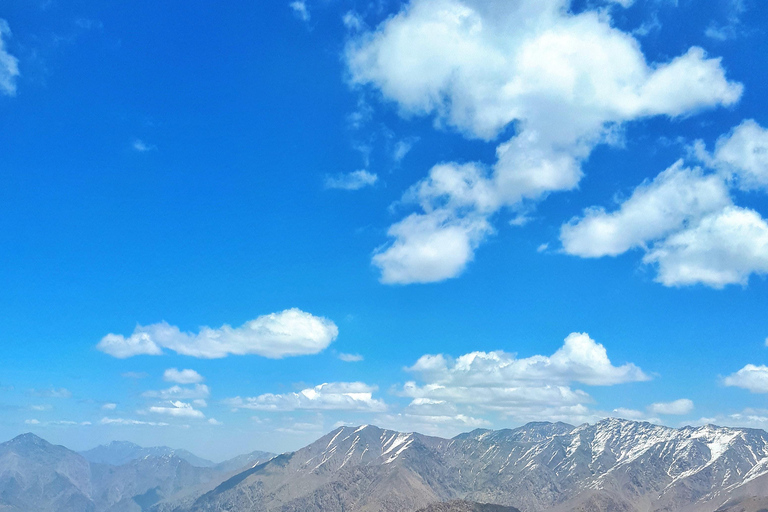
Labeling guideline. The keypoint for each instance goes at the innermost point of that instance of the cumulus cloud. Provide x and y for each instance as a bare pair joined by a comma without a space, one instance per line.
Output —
533,388
177,409
180,392
654,210
568,82
676,407
9,65
338,396
685,220
351,181
742,156
109,406
182,376
721,249
430,247
751,377
289,333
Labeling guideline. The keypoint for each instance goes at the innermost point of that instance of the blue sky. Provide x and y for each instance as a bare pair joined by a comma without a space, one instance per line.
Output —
234,227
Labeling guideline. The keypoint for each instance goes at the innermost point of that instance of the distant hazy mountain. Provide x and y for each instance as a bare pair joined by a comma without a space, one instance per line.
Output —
36,476
614,465
117,453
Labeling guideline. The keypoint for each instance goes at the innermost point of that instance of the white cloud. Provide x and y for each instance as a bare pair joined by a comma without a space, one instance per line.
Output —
723,248
142,147
685,220
109,407
350,358
353,21
214,421
182,376
32,422
178,409
430,247
338,396
179,392
751,377
130,422
289,333
301,10
580,359
629,414
569,81
528,389
199,403
742,155
351,181
41,407
9,65
403,147
676,407
654,210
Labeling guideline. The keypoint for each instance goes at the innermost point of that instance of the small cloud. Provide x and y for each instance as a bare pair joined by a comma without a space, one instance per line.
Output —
214,421
353,21
182,376
9,65
351,181
142,147
300,10
752,377
52,393
130,422
200,403
677,407
109,407
542,248
350,358
179,393
178,409
43,407
32,422
403,147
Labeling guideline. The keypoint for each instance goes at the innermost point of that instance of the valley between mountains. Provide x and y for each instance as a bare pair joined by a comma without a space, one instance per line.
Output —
611,466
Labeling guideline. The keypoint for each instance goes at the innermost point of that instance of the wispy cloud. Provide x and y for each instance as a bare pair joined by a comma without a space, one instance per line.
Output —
9,65
354,180
142,147
301,10
350,358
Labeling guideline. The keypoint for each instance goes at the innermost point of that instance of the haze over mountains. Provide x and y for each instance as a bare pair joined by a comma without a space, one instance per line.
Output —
614,465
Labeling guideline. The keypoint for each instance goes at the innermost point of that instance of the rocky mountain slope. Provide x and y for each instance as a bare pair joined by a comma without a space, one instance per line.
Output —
614,465
466,506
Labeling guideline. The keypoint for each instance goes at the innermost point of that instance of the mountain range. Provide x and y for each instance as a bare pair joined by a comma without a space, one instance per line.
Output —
611,466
